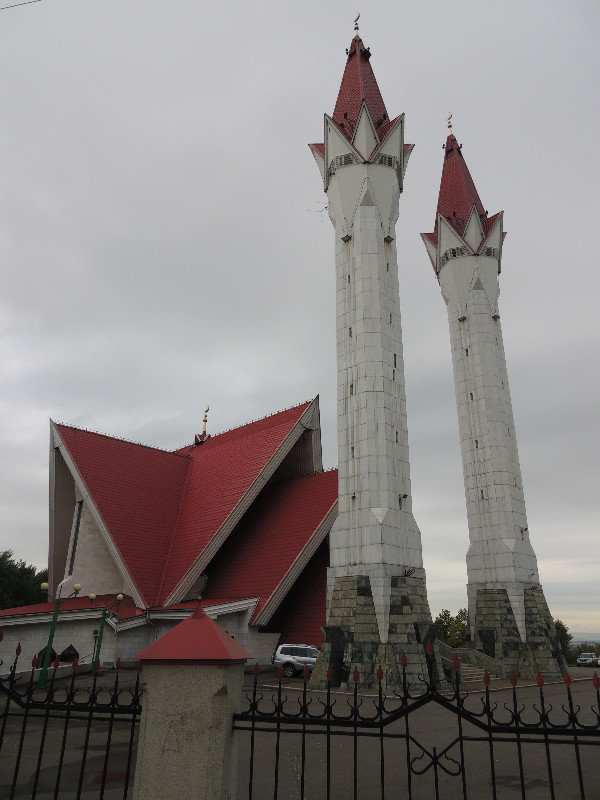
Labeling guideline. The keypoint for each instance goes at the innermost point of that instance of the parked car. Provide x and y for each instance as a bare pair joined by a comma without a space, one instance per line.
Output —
588,660
294,658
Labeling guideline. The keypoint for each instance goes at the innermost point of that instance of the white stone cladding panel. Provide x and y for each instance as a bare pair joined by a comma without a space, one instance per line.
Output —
500,551
375,525
93,567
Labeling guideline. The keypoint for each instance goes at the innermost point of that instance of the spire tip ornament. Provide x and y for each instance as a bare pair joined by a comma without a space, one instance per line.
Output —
356,23
450,124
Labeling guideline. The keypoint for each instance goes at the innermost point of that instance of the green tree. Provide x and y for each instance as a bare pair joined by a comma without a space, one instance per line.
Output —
20,582
452,630
442,623
563,636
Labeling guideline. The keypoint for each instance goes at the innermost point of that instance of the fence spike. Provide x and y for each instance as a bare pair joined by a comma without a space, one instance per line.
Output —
305,673
355,675
139,666
1,634
118,665
403,660
329,674
256,670
513,678
486,678
456,662
540,679
280,671
75,663
567,678
34,662
18,650
596,680
379,673
429,648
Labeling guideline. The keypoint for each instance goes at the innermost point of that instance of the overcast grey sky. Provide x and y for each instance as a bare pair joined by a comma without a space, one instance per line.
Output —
163,246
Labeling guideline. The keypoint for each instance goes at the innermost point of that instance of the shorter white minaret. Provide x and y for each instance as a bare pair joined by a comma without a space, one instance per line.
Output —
466,251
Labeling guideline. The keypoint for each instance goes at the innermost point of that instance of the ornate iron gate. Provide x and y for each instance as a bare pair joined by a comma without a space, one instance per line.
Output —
41,728
490,748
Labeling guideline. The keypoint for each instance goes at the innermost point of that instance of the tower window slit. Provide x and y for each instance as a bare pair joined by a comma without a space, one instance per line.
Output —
396,435
477,443
388,266
351,389
390,319
393,374
348,278
466,351
351,452
350,332
482,494
471,395
395,364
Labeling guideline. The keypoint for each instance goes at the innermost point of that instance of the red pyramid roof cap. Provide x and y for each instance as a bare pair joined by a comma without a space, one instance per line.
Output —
457,194
196,640
358,84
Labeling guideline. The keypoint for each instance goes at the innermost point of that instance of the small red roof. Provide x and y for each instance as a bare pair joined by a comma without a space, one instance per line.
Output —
123,610
198,639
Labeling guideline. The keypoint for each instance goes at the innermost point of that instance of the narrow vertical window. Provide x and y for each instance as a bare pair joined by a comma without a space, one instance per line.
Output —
471,395
348,278
388,266
395,363
482,494
393,374
466,351
75,536
351,389
351,452
476,443
350,332
390,319
396,435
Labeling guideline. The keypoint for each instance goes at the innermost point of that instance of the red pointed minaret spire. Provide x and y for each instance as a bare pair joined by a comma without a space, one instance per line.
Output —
358,84
458,199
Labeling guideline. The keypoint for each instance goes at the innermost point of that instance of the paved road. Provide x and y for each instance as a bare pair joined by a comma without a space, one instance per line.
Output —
430,726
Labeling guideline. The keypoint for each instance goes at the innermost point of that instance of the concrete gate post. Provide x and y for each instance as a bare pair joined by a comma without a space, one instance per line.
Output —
193,679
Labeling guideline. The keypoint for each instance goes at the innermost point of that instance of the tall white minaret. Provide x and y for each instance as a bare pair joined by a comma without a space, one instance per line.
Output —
508,614
377,605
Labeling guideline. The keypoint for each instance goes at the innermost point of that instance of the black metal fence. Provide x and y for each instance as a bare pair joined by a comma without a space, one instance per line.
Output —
422,741
65,740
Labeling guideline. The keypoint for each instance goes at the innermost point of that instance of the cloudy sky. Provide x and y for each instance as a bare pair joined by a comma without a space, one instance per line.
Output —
163,244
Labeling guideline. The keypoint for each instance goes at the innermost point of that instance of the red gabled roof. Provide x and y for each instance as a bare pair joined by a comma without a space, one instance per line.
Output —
222,470
137,491
358,84
162,509
271,537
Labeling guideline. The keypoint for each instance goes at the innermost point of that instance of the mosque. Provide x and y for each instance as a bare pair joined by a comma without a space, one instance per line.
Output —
278,549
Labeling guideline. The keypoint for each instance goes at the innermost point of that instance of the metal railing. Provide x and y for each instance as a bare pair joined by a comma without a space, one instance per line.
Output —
44,726
461,746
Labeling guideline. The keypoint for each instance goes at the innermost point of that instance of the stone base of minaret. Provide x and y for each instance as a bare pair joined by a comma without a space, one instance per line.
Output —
497,635
352,635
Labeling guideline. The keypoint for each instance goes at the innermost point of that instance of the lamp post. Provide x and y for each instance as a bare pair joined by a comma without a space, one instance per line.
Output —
57,601
106,612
